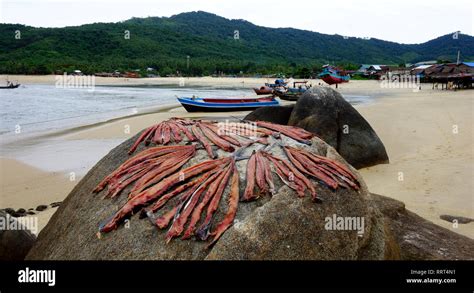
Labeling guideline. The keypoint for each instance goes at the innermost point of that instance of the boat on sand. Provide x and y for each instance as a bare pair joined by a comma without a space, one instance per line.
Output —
198,104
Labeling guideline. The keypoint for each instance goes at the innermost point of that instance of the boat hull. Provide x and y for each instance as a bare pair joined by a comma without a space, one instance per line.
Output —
329,79
198,105
264,90
289,96
10,87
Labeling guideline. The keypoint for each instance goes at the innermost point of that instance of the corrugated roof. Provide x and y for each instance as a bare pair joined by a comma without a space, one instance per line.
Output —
422,66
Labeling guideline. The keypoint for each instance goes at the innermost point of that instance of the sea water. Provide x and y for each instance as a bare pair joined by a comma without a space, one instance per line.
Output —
33,109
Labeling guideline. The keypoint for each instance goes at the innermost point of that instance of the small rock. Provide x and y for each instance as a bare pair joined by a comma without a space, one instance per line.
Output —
31,212
9,211
460,220
15,244
21,211
17,214
55,204
41,208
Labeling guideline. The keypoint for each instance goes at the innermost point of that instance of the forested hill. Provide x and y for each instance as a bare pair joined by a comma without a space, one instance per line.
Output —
213,43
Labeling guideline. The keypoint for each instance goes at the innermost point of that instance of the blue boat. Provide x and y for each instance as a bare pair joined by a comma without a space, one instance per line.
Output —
197,104
278,83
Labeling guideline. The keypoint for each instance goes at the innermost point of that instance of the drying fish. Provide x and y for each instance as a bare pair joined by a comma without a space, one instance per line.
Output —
147,154
321,168
157,190
187,207
232,209
203,231
295,133
204,141
288,177
187,198
212,197
214,137
249,188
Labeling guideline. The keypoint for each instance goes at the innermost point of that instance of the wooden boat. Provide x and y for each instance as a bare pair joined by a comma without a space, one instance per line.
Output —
333,75
10,86
197,104
292,94
263,90
278,83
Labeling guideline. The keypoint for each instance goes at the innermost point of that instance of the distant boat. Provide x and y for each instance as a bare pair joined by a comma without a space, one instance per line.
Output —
197,104
278,83
292,94
10,86
263,90
333,75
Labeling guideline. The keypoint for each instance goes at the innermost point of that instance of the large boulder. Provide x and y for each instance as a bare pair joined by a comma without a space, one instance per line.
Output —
15,239
275,114
279,227
326,113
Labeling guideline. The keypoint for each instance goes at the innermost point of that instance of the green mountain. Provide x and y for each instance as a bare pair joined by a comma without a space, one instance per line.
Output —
209,40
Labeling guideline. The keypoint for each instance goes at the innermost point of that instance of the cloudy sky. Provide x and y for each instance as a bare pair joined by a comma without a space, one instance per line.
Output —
404,21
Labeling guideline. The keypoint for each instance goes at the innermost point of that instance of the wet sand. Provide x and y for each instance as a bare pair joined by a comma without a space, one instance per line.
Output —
416,127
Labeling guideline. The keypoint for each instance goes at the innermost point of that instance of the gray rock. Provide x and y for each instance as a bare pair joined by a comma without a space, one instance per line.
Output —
14,243
41,208
55,204
458,219
416,238
279,227
324,112
288,228
276,114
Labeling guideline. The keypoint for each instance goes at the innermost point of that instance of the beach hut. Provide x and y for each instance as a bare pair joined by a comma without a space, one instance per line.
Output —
363,68
376,71
421,63
451,75
420,70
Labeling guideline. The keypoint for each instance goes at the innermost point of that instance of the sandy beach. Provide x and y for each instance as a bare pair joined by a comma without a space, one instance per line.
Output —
428,136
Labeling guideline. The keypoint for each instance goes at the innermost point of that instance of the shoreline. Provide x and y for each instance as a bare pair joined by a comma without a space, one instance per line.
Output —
32,137
414,127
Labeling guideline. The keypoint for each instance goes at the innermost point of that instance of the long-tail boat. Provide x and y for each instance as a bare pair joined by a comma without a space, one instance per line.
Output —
333,75
278,83
10,85
292,93
263,90
197,104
